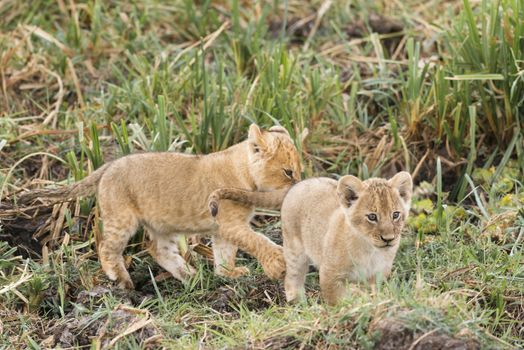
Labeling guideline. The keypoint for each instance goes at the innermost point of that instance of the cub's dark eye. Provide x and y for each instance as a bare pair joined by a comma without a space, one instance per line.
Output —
396,215
289,173
372,217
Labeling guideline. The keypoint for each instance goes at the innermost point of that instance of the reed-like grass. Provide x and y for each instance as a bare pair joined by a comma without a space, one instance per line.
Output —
84,82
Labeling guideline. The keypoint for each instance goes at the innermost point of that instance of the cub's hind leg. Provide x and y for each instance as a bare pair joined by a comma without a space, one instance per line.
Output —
164,250
224,253
117,231
297,264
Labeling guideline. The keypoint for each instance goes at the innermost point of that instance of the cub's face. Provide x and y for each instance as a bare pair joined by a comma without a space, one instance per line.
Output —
273,159
378,208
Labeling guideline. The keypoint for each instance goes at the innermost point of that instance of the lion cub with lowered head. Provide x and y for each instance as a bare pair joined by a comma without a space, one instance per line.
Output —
349,229
167,193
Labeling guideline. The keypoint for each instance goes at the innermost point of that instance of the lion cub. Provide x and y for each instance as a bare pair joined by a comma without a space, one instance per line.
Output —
350,229
167,193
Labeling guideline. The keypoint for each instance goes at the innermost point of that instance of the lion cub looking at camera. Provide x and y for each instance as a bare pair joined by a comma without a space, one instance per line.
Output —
350,229
167,193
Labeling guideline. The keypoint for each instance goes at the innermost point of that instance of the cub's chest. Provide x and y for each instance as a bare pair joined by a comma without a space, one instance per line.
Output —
375,262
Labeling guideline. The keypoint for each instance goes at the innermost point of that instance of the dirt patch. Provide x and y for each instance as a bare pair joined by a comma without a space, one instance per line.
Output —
377,24
43,168
297,29
254,295
393,334
515,310
87,322
18,229
32,226
94,297
103,328
222,299
278,342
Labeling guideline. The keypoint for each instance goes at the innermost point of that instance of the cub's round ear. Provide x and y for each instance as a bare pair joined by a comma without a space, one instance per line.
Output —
255,139
404,184
349,189
279,129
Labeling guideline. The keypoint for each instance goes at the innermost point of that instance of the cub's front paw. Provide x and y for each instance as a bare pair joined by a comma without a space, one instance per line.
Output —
274,264
125,284
295,295
232,272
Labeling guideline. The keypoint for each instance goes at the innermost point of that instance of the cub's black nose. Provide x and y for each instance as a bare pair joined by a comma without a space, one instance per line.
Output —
387,240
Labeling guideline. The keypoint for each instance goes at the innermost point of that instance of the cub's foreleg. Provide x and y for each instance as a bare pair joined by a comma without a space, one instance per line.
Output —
332,286
233,221
224,253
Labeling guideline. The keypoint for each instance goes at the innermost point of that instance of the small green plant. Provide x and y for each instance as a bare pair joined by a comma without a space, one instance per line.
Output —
8,258
415,90
91,147
122,137
483,68
442,97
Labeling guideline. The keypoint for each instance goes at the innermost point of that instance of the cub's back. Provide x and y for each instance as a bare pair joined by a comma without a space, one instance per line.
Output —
308,206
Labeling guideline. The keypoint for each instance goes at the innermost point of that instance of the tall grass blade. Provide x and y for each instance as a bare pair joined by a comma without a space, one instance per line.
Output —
472,151
440,208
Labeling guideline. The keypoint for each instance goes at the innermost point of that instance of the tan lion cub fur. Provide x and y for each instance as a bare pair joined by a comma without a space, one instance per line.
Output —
167,193
350,229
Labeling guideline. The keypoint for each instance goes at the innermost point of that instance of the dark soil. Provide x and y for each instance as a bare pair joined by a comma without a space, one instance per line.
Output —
279,342
18,231
252,292
377,24
395,335
75,330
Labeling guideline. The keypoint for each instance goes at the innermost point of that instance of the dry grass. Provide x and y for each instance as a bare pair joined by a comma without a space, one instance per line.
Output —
85,82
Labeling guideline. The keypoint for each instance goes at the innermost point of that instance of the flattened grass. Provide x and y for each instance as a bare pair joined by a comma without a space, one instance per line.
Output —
86,82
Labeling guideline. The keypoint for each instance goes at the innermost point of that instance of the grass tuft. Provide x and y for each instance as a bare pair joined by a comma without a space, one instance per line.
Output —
366,88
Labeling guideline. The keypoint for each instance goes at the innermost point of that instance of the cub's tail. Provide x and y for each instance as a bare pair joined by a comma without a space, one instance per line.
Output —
267,200
84,187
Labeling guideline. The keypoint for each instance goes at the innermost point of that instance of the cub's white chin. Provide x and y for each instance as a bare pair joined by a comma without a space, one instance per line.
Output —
381,245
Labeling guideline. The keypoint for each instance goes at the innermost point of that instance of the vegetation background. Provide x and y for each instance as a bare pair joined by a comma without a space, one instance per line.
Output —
432,87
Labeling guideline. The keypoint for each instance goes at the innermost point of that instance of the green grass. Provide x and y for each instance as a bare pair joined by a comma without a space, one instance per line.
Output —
90,81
